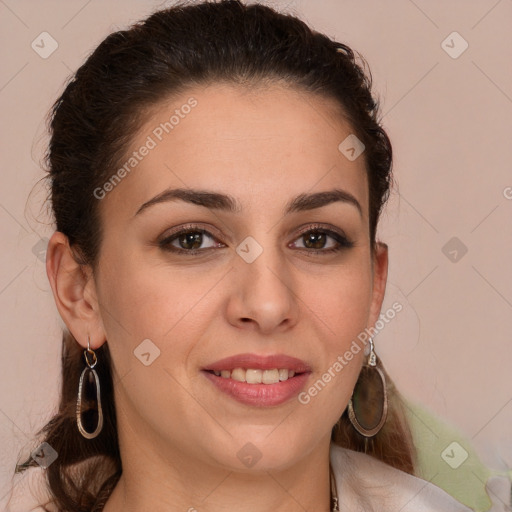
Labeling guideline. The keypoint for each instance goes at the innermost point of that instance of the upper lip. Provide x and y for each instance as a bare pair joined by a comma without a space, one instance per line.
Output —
261,362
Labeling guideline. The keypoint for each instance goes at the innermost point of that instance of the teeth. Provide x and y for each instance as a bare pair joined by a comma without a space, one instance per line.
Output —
283,374
238,374
256,376
269,376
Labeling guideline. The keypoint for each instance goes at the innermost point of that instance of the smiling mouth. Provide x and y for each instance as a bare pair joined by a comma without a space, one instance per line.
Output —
256,376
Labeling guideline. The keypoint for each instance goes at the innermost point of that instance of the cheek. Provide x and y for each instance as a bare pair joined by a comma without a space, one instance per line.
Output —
340,312
340,309
140,301
342,299
134,294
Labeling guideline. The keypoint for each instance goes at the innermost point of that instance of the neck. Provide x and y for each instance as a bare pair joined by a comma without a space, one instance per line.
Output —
151,481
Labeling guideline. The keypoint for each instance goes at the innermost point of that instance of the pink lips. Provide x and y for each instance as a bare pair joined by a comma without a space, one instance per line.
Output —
261,395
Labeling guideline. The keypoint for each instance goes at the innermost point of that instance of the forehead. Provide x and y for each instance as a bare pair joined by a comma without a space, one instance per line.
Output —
259,144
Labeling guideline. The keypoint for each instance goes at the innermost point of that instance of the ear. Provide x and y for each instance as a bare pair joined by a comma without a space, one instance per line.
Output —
74,291
380,276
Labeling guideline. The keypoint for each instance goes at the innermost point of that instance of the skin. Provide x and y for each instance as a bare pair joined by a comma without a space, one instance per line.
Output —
179,436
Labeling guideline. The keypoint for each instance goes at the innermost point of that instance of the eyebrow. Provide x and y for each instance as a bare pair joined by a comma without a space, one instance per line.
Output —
224,202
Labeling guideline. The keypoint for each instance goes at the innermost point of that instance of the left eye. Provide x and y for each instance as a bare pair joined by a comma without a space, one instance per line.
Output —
316,239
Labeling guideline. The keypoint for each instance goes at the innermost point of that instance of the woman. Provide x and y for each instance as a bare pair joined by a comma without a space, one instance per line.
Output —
217,173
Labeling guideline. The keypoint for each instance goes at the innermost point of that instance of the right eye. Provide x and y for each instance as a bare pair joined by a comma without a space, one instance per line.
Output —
189,239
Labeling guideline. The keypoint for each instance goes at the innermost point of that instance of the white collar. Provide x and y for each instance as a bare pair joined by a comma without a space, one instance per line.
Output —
365,484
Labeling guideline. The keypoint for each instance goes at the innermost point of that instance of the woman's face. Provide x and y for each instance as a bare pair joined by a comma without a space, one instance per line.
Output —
261,279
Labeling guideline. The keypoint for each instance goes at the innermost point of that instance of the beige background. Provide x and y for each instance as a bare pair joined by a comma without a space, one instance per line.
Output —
450,121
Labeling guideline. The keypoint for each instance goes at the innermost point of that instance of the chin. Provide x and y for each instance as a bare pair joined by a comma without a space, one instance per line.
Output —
251,451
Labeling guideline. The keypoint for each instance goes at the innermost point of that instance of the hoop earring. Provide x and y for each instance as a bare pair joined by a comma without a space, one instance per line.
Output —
368,406
89,394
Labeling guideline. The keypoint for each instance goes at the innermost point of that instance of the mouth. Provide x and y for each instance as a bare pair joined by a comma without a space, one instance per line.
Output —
259,380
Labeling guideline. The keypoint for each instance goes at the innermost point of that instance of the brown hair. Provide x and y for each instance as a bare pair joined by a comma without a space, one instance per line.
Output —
92,124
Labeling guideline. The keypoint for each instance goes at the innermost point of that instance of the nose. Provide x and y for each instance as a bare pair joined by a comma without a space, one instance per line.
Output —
263,294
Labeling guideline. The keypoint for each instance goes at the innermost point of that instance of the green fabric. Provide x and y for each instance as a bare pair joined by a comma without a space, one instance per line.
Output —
447,459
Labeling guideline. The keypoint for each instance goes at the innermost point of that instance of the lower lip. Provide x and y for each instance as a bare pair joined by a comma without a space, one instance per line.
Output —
262,395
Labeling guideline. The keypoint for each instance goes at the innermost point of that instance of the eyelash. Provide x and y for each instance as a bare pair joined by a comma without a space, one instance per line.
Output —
343,241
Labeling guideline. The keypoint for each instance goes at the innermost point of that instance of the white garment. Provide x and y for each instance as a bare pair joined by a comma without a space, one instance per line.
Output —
366,484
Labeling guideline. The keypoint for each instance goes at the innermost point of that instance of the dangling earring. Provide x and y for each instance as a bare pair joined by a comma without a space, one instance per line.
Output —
89,417
368,406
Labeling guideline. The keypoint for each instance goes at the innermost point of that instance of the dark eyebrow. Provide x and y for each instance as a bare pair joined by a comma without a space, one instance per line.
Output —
304,202
217,201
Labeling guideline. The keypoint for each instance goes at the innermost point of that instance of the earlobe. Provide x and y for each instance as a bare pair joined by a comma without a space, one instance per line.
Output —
71,285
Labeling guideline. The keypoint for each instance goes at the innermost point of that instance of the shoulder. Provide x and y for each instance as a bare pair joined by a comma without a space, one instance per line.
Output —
372,485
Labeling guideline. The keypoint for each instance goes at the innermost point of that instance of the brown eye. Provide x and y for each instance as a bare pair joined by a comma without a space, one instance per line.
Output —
315,241
191,240
188,241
